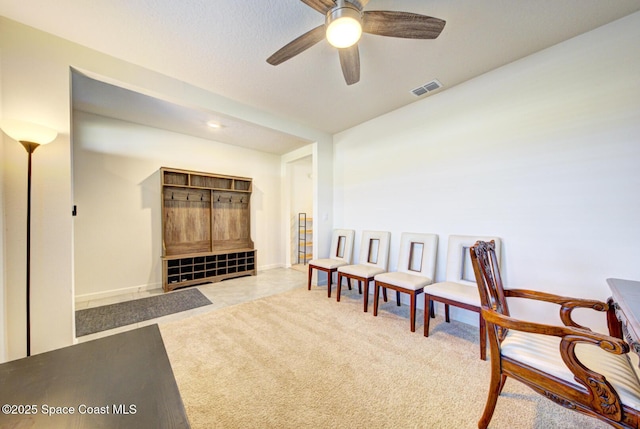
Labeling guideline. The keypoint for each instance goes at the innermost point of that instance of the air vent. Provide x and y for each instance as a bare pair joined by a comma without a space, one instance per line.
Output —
427,87
419,91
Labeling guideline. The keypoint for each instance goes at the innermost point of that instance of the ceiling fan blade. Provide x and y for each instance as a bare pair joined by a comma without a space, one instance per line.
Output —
401,24
321,6
350,63
298,45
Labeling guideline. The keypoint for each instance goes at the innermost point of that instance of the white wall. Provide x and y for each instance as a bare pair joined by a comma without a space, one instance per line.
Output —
323,197
118,233
302,187
543,153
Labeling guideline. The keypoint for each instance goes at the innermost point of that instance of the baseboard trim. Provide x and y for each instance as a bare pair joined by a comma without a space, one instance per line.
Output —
142,288
115,292
269,267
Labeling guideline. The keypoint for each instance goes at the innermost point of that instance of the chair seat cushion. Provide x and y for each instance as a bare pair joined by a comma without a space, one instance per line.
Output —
403,280
327,264
455,292
543,352
361,270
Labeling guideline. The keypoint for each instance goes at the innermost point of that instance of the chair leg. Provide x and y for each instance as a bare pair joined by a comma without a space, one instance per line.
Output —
376,296
398,298
432,310
413,310
339,286
428,304
349,282
309,280
384,294
495,387
366,294
446,313
329,281
359,287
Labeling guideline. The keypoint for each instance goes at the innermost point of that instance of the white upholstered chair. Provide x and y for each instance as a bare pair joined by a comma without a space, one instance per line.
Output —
373,259
416,269
459,288
340,254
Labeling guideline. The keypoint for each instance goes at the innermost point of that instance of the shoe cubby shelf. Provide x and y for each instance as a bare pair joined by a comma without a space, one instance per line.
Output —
186,271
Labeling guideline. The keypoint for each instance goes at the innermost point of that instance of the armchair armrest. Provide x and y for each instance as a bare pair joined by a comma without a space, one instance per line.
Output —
569,334
567,304
602,395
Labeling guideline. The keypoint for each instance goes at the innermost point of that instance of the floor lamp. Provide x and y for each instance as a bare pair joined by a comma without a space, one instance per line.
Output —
30,136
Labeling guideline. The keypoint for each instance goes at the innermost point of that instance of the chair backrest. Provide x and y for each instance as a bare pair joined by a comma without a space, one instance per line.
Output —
418,254
342,245
487,273
374,249
459,267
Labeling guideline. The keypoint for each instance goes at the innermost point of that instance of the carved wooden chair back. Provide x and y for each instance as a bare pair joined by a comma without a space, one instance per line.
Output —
487,272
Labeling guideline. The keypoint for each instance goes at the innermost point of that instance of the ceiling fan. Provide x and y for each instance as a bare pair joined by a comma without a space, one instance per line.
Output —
344,24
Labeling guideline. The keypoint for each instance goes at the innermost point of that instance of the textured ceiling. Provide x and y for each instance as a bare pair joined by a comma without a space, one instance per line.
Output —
221,46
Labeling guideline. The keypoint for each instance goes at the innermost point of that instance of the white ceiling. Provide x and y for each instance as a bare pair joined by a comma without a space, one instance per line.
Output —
101,98
222,47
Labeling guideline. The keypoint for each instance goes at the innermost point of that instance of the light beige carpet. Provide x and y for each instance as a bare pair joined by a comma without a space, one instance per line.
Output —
301,360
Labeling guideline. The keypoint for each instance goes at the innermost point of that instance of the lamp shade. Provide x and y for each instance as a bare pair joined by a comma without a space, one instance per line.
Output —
343,27
23,131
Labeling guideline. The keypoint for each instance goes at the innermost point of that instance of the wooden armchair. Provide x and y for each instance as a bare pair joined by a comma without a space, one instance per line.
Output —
573,366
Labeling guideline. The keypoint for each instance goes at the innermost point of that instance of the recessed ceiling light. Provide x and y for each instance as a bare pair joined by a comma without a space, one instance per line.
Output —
214,125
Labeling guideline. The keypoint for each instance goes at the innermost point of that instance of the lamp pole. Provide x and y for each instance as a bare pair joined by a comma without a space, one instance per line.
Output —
30,136
30,147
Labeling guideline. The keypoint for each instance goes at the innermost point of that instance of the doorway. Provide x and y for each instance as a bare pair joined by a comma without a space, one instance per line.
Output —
300,246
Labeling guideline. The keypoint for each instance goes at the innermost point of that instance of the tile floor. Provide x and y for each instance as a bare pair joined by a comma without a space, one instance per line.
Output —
221,294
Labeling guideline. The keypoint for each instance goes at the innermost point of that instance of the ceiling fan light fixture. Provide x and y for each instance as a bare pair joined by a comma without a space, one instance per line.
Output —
344,25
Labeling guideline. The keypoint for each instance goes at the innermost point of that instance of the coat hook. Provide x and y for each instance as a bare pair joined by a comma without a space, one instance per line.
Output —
230,200
187,197
218,198
200,197
172,195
